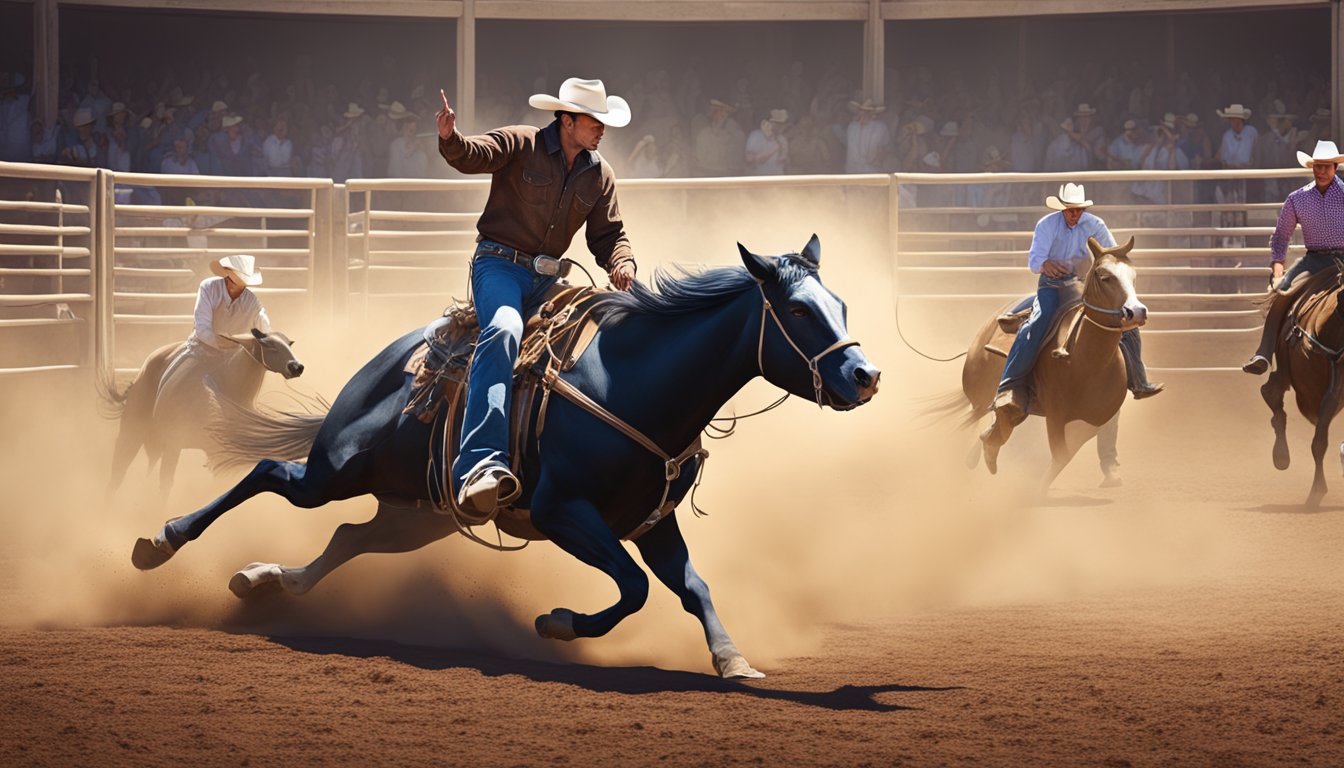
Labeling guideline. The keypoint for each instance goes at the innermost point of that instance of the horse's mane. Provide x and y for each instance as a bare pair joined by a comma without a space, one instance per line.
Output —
679,291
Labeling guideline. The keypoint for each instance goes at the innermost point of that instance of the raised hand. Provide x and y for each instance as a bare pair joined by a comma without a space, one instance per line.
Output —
446,117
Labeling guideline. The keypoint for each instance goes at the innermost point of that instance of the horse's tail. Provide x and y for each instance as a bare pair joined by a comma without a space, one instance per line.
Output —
245,435
111,401
938,408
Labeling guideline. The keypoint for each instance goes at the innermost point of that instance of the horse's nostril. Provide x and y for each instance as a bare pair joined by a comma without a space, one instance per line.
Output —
862,378
296,368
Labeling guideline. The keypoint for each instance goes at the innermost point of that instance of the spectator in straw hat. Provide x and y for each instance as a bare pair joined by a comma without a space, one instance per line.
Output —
232,153
866,138
547,183
347,145
720,145
1058,248
1234,151
767,149
84,149
1319,209
1126,150
1276,147
406,158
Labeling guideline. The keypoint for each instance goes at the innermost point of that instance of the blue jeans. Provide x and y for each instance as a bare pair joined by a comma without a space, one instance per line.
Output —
1311,263
1031,336
505,295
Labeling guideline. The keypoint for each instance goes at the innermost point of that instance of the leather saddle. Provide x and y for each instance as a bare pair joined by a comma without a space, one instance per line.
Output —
1062,326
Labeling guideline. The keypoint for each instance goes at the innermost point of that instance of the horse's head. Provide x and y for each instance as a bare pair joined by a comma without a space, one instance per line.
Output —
804,346
274,351
1109,290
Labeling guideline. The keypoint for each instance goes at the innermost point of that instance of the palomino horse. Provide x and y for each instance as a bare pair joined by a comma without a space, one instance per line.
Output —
1077,392
662,362
1308,352
166,416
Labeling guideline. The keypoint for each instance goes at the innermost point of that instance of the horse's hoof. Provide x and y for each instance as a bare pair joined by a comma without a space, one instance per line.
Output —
557,625
147,555
1112,480
736,668
1280,456
254,580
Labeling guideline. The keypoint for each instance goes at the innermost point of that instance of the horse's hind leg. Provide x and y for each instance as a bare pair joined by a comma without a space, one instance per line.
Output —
1320,441
992,439
167,471
286,478
1272,391
129,440
664,551
394,528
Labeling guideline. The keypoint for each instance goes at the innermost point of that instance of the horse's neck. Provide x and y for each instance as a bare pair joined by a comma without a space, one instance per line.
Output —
687,366
239,378
1094,347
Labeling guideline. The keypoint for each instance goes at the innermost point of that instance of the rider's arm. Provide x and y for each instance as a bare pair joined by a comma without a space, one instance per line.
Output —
486,153
203,319
1283,232
605,229
260,320
1040,244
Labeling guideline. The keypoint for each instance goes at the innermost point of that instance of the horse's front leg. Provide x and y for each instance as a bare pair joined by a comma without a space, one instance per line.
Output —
992,439
574,524
1320,441
1272,391
1066,437
664,550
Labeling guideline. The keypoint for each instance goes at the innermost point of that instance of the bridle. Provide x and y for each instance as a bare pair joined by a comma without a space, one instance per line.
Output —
1122,315
813,363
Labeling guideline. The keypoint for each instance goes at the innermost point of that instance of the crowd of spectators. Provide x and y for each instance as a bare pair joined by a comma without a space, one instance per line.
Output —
691,123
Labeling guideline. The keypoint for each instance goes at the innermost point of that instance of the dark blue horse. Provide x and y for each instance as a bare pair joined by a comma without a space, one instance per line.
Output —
664,362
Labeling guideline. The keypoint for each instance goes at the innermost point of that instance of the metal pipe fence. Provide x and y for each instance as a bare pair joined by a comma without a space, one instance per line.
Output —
98,268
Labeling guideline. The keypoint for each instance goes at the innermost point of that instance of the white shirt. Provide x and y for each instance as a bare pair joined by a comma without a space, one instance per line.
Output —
1236,147
219,315
864,145
406,159
278,154
758,144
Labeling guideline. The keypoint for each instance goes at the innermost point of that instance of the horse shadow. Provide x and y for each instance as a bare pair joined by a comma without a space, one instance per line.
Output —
1293,509
626,680
1074,500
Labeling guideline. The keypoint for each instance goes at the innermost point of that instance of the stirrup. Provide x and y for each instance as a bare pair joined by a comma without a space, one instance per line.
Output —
486,490
1008,405
1257,365
1148,390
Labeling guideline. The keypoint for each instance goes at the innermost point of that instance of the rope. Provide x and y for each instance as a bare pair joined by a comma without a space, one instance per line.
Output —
896,312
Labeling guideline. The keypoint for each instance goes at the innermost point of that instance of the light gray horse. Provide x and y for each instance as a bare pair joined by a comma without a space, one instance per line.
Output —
168,405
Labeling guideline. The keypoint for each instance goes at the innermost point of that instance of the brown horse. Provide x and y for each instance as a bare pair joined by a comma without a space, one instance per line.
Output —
166,415
1309,349
1078,383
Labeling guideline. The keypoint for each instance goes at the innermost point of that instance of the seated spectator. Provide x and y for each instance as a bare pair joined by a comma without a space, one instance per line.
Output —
278,150
767,149
406,158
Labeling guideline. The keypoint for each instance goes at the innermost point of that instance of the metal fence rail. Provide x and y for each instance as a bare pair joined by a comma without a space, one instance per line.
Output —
112,260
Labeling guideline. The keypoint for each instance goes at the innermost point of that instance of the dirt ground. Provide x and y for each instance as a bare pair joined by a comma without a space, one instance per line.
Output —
907,610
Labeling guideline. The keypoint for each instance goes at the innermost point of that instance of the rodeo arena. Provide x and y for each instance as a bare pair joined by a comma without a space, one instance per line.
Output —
981,355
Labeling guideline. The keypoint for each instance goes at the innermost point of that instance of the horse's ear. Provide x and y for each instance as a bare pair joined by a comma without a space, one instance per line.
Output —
256,334
1095,247
1126,248
812,251
759,267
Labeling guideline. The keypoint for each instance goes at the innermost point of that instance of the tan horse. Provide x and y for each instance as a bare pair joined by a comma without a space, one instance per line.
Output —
1079,378
1309,351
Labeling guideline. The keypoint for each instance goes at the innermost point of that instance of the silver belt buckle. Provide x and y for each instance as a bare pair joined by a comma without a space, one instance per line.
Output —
549,266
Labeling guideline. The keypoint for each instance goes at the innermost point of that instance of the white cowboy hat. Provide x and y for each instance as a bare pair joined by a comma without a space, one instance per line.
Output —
353,111
1235,111
866,105
117,107
780,116
933,160
219,106
82,117
1084,109
242,266
1321,115
230,120
949,129
1277,110
716,104
398,111
1325,152
587,97
1070,196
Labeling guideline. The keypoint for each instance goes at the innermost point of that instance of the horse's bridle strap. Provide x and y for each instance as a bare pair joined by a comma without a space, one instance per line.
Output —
813,362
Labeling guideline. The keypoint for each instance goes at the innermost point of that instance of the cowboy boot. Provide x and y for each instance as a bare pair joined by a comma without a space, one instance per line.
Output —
487,488
1010,404
1136,373
1269,337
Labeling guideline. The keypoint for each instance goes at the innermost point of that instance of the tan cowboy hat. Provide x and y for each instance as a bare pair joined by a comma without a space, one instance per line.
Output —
779,116
1235,111
1070,196
1325,152
716,104
933,160
1169,120
866,105
1278,111
230,120
219,106
242,266
1321,115
82,117
1191,119
353,111
398,111
1084,109
587,97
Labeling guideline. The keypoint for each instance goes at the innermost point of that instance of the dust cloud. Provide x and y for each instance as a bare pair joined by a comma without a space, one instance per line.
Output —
815,517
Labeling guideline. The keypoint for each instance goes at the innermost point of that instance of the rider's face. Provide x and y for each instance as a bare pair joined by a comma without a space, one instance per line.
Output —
1072,215
586,131
1324,173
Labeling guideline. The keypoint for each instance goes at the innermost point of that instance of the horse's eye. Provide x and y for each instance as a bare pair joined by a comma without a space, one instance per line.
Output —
1103,277
799,310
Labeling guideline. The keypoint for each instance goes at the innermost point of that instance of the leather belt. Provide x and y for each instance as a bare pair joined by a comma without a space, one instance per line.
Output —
548,266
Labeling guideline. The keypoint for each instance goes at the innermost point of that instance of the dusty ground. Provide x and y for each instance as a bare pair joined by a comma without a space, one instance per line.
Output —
907,611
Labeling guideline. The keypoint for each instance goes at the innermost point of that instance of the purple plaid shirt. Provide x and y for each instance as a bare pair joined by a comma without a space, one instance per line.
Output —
1321,217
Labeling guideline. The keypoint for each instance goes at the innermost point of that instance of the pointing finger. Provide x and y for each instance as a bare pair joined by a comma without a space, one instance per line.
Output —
444,96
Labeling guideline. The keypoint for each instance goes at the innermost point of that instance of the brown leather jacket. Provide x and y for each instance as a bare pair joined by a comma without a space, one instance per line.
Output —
533,205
